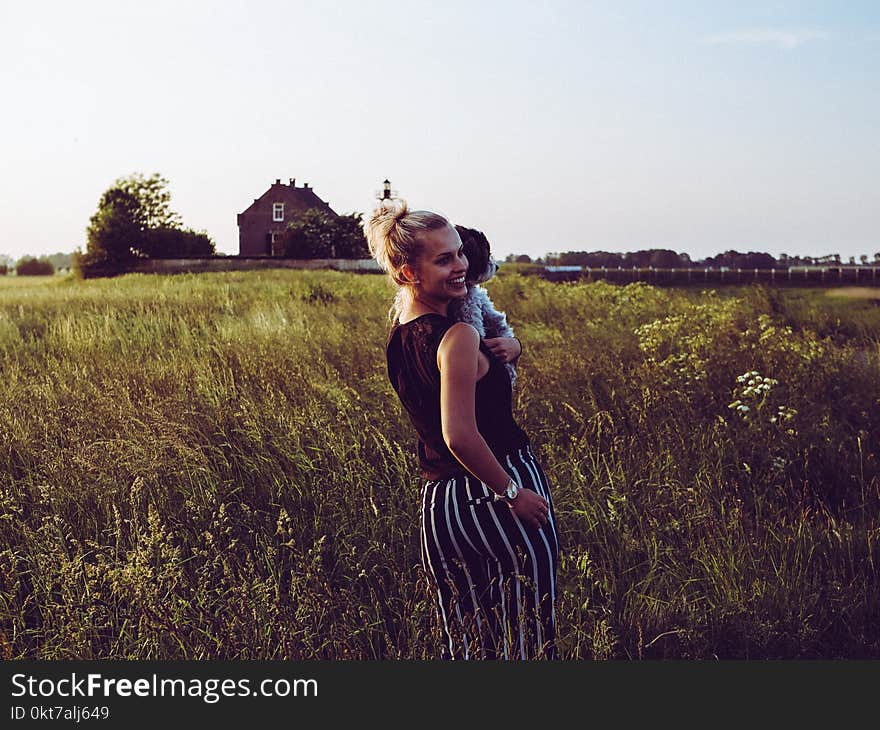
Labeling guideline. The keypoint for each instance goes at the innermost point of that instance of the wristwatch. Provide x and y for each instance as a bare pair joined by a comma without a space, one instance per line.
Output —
510,492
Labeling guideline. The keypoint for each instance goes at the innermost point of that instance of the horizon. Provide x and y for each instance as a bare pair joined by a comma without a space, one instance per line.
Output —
699,129
874,263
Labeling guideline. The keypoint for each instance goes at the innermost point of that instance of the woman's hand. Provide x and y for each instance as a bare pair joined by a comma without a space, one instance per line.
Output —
531,508
506,349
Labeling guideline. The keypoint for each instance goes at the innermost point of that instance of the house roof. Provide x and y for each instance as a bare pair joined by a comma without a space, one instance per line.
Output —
303,196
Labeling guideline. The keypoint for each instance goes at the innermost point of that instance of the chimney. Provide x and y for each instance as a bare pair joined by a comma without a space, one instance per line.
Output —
305,186
293,182
278,181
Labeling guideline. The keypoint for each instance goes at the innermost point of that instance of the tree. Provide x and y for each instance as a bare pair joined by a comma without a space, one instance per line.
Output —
29,266
59,260
113,237
736,260
663,258
317,234
573,258
134,220
757,260
154,200
637,259
351,243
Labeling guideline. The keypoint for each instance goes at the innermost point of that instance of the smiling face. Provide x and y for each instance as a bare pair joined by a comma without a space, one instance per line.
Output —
440,269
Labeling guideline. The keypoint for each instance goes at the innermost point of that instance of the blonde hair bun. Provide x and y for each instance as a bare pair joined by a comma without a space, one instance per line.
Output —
387,214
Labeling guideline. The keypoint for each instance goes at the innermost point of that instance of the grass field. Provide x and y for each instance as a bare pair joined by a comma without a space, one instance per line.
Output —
855,292
215,466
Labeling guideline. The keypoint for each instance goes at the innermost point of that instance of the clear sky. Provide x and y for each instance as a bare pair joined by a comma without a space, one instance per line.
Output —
552,126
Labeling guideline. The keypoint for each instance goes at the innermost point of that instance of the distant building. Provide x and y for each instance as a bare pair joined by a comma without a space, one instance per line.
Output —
260,226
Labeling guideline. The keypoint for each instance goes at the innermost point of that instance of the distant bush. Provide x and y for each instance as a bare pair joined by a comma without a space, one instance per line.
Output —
29,266
172,242
4,269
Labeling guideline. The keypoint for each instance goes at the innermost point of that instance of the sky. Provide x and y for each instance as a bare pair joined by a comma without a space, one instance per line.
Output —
554,126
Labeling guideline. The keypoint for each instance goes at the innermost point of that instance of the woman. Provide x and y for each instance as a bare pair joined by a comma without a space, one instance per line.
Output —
488,536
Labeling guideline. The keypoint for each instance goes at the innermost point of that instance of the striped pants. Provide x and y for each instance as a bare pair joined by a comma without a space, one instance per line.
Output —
494,576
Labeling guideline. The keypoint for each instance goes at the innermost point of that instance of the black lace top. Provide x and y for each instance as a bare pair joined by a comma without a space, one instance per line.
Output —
411,352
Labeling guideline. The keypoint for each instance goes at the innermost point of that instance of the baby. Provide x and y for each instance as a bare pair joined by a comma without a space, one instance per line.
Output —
476,307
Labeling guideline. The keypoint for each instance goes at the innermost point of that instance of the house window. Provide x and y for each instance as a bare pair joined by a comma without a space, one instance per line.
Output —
277,211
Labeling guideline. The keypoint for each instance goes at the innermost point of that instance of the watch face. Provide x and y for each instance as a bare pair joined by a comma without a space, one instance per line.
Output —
512,491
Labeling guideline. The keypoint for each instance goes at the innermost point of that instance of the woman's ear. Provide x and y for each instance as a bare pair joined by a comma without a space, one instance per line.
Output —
409,274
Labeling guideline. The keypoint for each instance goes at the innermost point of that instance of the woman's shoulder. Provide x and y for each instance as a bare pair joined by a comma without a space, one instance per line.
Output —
460,334
459,341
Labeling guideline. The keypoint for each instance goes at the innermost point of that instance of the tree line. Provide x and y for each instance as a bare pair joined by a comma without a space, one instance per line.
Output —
661,258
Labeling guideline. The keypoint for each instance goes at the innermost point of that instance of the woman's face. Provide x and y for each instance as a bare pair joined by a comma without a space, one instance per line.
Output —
441,266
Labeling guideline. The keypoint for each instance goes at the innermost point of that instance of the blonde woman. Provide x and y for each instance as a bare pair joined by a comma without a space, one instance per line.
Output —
488,533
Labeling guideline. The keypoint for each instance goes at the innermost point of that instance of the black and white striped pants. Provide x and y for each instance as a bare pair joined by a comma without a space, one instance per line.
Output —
493,575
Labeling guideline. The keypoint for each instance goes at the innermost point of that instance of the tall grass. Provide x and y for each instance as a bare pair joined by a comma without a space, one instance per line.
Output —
215,466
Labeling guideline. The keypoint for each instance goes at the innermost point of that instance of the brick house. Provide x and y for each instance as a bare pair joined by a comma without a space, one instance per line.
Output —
261,225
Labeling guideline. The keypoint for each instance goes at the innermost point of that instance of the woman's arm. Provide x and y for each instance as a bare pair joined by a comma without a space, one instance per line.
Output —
457,360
